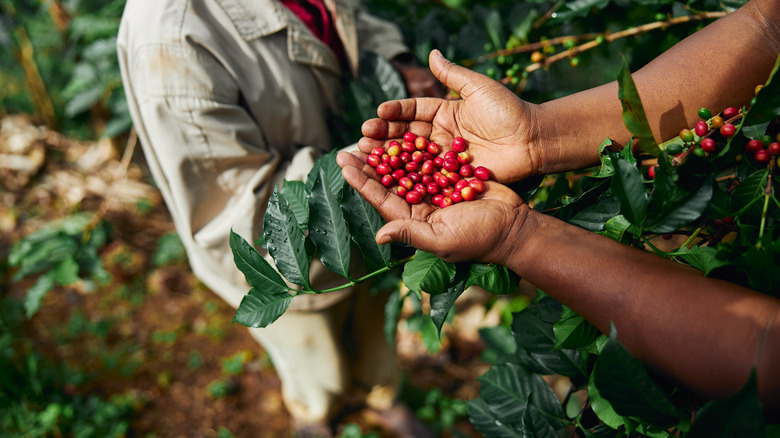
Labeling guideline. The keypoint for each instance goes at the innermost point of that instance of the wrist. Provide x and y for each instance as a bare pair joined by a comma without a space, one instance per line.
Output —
519,239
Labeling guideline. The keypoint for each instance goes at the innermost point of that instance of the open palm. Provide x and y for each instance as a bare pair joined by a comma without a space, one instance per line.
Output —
497,125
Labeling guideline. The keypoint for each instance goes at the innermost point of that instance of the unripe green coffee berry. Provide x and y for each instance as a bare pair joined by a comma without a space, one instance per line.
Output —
686,135
673,149
705,114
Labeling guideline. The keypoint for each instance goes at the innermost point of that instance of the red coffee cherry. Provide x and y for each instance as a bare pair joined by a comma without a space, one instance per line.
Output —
398,174
413,197
730,112
774,148
395,162
651,171
762,156
406,183
451,155
708,145
383,169
482,173
434,148
466,170
410,137
408,146
412,166
458,144
468,193
456,197
387,181
377,151
754,145
414,176
373,160
445,202
701,129
421,143
420,188
428,167
477,185
450,164
432,188
727,130
402,191
464,157
436,200
461,184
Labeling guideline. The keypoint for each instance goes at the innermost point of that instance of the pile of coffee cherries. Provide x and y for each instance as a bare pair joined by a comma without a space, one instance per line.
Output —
416,170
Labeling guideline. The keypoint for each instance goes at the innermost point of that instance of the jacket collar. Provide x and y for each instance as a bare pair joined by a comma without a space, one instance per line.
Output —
259,18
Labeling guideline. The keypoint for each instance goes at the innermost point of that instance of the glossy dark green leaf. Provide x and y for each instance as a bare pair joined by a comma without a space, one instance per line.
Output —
767,106
487,423
327,163
507,387
364,222
295,193
623,381
703,258
682,212
383,80
740,415
628,187
328,228
428,273
496,279
594,217
749,191
533,332
573,331
634,112
441,304
32,301
286,242
602,408
259,308
579,8
258,272
537,424
499,343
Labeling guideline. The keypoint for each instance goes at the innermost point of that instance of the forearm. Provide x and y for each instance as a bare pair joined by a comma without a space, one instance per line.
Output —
715,68
702,332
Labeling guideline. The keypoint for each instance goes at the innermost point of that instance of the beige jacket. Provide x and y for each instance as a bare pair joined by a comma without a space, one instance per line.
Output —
229,97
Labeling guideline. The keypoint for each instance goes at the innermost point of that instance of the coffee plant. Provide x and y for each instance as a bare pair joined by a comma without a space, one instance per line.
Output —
713,188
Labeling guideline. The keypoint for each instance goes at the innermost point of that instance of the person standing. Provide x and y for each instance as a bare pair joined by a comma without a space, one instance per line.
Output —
229,99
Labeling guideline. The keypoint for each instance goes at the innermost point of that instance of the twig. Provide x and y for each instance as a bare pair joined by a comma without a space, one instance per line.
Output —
767,194
622,34
33,77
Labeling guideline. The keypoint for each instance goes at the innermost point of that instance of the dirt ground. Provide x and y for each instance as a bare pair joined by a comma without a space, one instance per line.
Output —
155,335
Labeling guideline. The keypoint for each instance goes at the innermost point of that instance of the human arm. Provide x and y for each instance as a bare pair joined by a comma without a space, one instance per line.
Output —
667,315
715,68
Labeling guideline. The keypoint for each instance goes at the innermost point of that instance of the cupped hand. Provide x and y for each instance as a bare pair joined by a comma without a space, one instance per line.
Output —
499,127
481,229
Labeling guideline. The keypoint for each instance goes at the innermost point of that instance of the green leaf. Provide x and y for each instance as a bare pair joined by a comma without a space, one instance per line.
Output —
740,415
382,79
533,332
328,164
487,423
393,308
579,8
295,193
767,106
496,279
66,272
32,301
682,212
428,273
423,324
616,227
499,343
628,188
634,113
258,272
749,191
595,216
507,388
364,222
602,408
259,308
573,331
441,304
84,100
703,258
623,381
328,229
538,425
286,242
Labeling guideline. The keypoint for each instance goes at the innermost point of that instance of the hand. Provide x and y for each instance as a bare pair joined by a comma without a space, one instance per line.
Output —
484,229
499,126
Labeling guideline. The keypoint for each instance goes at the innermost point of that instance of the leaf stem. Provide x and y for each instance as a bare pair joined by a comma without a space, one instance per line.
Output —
689,243
653,247
365,277
767,194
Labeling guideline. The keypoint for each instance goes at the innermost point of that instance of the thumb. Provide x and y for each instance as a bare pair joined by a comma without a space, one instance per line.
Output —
455,77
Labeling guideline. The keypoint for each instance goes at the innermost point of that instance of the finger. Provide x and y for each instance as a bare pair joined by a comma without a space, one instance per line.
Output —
422,109
459,79
358,174
416,233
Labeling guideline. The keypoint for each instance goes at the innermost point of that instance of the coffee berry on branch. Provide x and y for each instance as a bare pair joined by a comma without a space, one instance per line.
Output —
711,134
416,170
